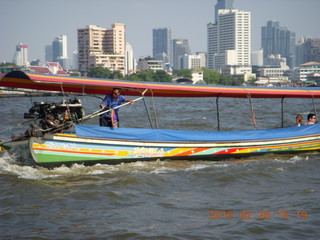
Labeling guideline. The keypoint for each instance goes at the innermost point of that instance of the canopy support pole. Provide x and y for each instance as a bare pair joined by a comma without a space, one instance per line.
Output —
252,111
154,110
218,117
282,118
144,102
314,107
145,105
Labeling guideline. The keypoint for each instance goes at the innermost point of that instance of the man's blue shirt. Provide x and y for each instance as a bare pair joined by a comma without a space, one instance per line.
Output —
109,101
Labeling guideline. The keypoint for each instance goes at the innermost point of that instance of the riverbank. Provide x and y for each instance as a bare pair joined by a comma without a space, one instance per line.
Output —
14,94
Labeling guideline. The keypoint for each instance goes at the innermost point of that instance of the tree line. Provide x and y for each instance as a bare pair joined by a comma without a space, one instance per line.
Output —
209,76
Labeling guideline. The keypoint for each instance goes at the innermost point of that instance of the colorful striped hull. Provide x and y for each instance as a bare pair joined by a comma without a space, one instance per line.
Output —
60,149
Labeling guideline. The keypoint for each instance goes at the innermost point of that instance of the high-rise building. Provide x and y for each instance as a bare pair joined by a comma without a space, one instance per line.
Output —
74,60
101,47
278,40
222,4
130,62
59,48
212,41
180,48
57,51
229,40
308,50
21,55
162,45
257,57
48,53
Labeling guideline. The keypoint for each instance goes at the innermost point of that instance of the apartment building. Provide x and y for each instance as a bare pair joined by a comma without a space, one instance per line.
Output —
101,47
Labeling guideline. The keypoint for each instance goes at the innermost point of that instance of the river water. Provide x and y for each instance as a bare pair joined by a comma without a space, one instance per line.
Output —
265,197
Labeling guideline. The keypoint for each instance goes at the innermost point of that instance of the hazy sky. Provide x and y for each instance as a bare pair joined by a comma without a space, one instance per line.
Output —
37,22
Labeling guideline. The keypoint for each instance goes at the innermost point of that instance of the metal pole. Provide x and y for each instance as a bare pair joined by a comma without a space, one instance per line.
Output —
154,111
218,117
282,112
98,113
252,112
314,107
145,105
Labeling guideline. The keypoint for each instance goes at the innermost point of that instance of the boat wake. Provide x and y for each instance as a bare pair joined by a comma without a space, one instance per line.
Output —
10,164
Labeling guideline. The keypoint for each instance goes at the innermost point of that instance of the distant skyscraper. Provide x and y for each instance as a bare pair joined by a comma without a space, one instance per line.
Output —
21,55
75,60
57,51
130,68
180,48
59,47
278,40
308,50
257,57
48,53
162,44
229,39
222,4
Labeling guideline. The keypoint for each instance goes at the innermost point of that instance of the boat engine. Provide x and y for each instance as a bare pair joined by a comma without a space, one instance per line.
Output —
52,117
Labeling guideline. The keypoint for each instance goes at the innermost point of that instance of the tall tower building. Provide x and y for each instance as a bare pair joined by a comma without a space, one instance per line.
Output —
229,40
101,47
278,40
180,48
130,66
21,55
59,47
74,60
162,44
308,50
48,53
222,4
59,51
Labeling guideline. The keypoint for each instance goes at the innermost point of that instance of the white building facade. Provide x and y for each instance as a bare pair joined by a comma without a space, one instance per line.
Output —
229,40
195,61
257,57
130,62
305,71
21,55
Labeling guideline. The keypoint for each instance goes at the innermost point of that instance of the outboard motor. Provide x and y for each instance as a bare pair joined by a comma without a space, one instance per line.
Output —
52,117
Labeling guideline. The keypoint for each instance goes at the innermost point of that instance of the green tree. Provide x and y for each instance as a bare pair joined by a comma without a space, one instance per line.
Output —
8,64
116,75
146,75
161,76
134,77
186,73
99,72
210,76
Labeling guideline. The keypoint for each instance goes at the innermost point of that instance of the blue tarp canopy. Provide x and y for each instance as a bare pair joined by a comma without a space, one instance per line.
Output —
164,135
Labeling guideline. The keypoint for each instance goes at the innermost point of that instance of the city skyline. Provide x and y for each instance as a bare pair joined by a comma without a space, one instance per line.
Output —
188,19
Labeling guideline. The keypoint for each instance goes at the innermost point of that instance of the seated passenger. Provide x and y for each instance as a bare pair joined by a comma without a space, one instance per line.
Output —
299,120
311,119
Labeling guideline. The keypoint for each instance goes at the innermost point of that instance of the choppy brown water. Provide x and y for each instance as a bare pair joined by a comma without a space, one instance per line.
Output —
265,197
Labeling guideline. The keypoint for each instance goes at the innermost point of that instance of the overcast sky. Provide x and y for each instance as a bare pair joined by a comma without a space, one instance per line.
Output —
37,22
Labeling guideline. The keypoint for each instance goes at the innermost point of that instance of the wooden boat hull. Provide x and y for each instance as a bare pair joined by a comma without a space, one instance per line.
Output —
58,149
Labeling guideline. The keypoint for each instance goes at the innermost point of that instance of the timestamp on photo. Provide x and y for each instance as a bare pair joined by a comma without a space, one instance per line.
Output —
257,214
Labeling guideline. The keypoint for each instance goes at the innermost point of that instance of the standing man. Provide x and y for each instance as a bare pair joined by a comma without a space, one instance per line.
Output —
110,101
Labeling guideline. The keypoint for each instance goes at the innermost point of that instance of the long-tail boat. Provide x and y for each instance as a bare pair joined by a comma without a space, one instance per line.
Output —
52,145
